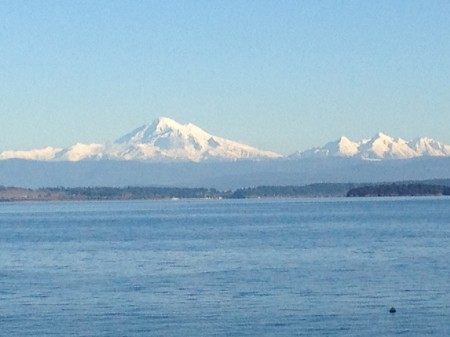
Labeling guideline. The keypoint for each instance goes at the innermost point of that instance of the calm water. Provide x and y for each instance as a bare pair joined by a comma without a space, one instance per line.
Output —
226,268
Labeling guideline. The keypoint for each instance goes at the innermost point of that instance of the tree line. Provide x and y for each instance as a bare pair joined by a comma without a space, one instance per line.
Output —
421,188
394,190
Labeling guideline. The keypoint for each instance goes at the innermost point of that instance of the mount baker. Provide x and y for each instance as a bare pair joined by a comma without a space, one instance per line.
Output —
167,140
162,140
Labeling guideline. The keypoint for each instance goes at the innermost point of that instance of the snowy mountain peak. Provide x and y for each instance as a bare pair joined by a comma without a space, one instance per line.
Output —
383,146
429,147
163,139
161,127
343,147
81,151
170,140
380,146
167,140
165,122
381,135
346,147
344,139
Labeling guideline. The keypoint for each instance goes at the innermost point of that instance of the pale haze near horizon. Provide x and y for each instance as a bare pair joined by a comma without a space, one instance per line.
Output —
279,75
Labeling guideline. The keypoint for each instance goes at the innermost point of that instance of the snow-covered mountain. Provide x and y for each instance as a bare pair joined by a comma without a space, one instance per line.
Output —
379,147
80,151
47,153
163,140
167,140
343,147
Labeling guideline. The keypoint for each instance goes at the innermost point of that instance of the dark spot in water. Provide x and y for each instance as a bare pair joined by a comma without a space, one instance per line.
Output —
392,310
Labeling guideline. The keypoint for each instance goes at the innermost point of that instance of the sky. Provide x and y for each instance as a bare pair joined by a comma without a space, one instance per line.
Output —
280,75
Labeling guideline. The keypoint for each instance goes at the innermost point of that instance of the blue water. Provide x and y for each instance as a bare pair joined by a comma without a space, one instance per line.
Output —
328,267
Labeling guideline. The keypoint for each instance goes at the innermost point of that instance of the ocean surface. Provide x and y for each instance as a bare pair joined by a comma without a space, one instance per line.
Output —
324,267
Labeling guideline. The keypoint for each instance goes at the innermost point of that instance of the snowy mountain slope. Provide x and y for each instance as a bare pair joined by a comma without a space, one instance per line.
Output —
167,139
47,153
343,147
379,147
80,151
163,140
428,147
383,146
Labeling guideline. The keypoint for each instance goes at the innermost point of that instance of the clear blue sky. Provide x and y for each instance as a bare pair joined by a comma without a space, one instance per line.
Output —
280,75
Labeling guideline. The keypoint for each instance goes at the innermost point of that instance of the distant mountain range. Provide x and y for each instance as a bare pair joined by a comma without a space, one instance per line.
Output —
379,147
165,140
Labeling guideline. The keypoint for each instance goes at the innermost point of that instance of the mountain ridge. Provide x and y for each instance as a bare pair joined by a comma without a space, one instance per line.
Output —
165,140
379,147
162,140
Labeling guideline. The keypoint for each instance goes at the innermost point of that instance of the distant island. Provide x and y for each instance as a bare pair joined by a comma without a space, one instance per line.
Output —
397,190
319,190
105,193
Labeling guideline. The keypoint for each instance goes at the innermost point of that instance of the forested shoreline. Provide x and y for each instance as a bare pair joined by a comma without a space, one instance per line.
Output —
319,190
396,190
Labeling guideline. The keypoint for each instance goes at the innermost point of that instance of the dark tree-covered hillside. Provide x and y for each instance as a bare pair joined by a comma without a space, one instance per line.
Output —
391,190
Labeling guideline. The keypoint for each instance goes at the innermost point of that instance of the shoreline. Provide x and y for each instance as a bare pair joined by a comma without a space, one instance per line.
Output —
319,190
